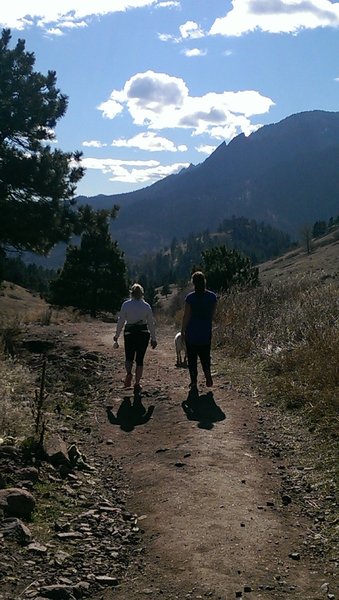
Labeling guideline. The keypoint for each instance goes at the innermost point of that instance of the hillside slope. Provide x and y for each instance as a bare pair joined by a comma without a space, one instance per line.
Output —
323,261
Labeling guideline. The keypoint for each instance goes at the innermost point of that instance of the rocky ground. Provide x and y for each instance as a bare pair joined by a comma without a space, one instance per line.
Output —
162,496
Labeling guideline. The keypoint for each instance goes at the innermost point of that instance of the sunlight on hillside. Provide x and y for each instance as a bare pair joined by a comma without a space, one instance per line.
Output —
20,304
323,261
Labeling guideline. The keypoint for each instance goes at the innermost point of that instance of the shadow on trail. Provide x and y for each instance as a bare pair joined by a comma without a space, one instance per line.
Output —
130,414
203,409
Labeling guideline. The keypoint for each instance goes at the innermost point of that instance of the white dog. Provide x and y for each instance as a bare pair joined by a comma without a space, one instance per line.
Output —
180,348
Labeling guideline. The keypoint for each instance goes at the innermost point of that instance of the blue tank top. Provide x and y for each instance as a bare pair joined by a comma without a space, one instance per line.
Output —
199,328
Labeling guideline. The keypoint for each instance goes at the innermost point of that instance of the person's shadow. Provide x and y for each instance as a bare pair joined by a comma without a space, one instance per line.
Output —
203,409
130,414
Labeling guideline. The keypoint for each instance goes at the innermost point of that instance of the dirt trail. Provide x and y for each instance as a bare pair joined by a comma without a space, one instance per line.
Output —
209,499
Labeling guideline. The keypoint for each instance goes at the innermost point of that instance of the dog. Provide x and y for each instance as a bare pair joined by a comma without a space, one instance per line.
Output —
180,349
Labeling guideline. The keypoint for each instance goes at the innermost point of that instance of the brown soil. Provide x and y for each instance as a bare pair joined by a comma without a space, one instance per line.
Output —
210,494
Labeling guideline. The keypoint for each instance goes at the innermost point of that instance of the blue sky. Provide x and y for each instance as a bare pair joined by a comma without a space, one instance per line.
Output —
155,85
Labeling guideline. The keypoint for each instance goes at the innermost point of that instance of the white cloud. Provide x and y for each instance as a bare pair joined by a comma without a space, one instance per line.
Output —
188,31
159,101
191,30
151,142
206,149
63,25
169,4
133,171
54,31
195,52
23,13
106,164
94,144
238,124
167,37
111,108
276,16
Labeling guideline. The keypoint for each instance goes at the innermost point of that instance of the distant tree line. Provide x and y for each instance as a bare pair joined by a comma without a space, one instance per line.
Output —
173,264
32,277
257,240
322,227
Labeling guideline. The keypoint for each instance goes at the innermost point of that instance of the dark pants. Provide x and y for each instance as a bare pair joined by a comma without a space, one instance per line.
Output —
136,343
195,351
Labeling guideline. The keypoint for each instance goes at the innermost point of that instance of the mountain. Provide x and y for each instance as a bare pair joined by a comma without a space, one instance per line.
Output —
285,174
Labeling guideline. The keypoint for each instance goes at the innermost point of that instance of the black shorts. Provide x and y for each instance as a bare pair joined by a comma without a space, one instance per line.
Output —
136,338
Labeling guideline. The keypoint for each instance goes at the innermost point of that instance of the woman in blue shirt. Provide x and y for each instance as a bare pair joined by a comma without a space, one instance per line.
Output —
196,328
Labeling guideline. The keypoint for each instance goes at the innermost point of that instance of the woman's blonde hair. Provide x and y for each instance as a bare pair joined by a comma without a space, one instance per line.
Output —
137,291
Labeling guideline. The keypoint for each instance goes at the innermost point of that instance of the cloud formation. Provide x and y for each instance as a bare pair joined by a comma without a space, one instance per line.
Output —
191,30
276,16
151,142
133,171
169,4
205,149
64,14
160,101
93,144
195,52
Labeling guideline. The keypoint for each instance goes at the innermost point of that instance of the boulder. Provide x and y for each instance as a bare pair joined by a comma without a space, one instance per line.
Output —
17,502
28,474
15,528
55,450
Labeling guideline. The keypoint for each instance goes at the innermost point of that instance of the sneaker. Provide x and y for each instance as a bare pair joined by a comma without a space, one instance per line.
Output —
128,380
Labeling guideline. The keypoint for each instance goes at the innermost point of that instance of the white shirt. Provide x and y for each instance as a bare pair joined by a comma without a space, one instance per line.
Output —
136,311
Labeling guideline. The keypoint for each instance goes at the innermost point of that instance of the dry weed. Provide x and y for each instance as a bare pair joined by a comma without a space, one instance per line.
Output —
293,329
16,389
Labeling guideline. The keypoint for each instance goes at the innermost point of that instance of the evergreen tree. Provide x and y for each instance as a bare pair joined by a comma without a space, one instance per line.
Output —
31,276
94,274
151,295
37,183
224,268
319,228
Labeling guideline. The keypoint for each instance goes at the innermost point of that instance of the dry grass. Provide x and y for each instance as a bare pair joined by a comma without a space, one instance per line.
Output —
19,304
17,384
323,261
19,307
16,389
292,331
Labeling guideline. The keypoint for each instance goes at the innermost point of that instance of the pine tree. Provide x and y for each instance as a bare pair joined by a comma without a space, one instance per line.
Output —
37,183
93,277
224,268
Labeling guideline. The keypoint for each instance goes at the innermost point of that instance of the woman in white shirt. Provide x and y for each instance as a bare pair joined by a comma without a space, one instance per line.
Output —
137,318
